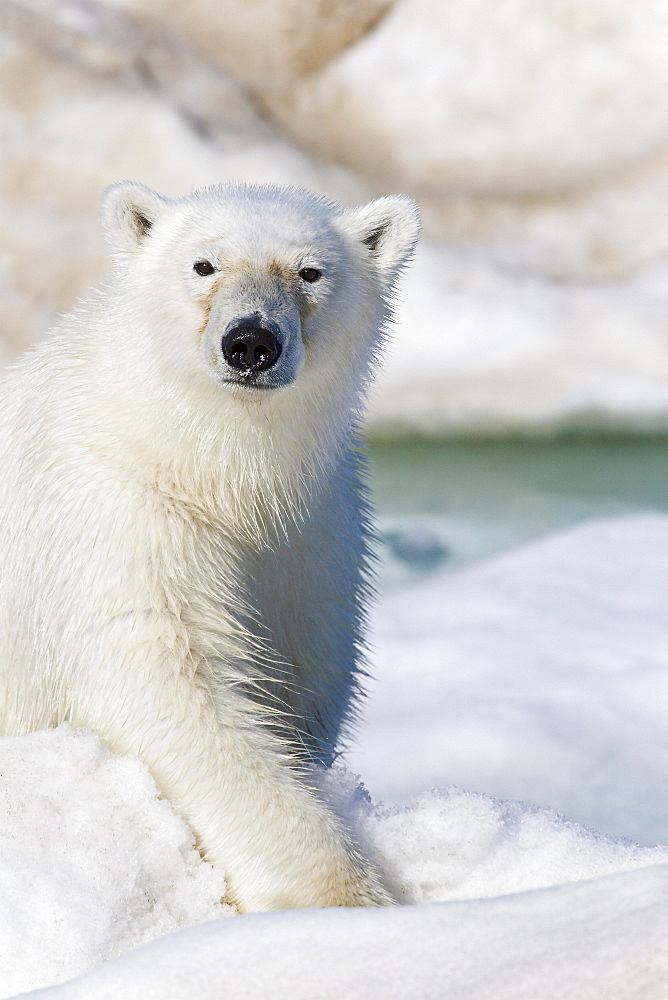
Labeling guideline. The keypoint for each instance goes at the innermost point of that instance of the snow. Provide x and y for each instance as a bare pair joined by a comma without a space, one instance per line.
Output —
542,666
592,941
505,352
97,864
539,674
532,135
92,863
464,120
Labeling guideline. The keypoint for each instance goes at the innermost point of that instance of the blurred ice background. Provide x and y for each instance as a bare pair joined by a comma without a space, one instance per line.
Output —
534,136
517,432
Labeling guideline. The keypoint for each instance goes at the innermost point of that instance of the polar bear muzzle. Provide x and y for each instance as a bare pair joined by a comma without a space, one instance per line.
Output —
250,346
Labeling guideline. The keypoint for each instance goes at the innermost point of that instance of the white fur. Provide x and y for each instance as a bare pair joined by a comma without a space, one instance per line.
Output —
183,560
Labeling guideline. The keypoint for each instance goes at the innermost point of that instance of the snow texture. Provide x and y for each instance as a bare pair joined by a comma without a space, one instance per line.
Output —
539,674
92,862
592,941
97,865
502,352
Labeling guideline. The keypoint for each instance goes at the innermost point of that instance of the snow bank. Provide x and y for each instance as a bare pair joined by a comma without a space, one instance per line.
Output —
433,127
534,137
539,127
504,351
265,42
92,863
448,844
538,675
592,941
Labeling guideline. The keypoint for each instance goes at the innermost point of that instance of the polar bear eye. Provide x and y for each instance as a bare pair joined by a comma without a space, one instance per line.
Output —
310,274
204,267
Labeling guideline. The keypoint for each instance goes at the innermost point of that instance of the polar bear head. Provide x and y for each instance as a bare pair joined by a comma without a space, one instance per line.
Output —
259,289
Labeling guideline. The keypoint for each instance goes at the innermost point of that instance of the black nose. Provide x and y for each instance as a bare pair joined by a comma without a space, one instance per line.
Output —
251,346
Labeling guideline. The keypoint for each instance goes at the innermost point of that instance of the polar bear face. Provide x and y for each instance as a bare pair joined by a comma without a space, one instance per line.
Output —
259,287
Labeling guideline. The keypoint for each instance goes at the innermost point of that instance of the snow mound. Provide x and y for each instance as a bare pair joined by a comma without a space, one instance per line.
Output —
92,862
451,844
592,941
537,675
511,352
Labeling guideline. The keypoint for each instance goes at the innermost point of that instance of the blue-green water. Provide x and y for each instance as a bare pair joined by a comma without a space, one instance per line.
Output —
452,502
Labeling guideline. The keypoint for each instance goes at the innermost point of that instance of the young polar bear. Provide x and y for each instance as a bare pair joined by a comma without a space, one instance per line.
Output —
183,528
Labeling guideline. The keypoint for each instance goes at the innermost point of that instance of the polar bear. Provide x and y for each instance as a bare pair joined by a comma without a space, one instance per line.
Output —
183,520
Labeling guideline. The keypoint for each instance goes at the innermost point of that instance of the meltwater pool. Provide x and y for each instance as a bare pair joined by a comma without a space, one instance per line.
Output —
444,503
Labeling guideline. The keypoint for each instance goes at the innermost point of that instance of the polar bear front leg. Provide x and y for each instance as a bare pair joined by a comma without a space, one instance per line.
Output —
278,843
281,846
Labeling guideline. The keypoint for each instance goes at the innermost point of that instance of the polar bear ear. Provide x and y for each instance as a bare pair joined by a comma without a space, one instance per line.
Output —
129,211
388,228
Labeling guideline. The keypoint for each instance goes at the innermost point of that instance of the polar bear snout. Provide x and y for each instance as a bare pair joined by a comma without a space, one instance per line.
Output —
250,345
